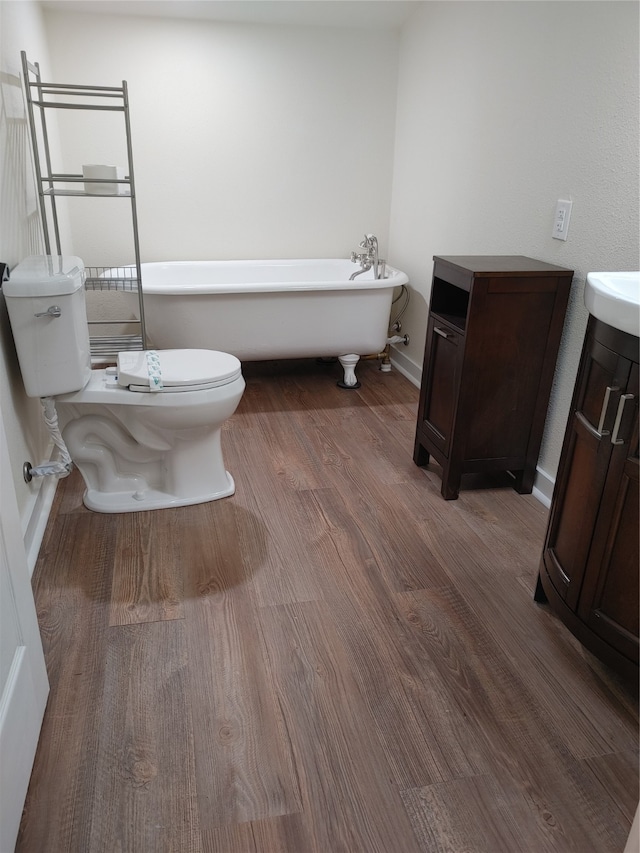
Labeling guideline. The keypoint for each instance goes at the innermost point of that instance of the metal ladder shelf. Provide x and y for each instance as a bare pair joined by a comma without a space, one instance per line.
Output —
40,97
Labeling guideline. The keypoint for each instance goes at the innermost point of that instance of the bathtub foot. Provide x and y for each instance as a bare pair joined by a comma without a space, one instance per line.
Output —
348,363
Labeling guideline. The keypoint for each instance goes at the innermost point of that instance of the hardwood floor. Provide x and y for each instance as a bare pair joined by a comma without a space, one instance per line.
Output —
333,660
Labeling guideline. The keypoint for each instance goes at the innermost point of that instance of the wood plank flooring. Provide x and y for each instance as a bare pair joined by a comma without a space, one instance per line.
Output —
333,660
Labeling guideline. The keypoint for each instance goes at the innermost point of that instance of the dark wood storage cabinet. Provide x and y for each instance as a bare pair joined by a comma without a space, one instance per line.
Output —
493,333
589,568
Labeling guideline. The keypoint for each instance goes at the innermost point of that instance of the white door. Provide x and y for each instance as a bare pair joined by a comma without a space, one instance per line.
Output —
23,677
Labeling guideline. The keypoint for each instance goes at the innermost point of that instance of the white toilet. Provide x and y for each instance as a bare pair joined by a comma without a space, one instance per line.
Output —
145,434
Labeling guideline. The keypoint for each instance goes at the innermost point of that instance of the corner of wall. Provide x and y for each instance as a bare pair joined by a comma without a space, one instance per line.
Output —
543,487
406,366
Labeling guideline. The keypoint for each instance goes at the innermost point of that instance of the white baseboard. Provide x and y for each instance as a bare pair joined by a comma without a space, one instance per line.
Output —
543,484
543,487
406,366
36,515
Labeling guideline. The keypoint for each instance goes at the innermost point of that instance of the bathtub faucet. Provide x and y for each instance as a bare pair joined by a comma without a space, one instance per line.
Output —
368,258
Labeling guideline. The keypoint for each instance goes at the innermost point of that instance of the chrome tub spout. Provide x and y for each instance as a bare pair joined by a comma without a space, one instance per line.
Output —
369,258
365,268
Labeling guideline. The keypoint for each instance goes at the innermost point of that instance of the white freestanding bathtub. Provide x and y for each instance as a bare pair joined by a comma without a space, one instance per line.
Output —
260,310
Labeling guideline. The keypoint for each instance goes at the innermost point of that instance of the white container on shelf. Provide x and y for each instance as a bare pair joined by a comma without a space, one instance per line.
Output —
92,171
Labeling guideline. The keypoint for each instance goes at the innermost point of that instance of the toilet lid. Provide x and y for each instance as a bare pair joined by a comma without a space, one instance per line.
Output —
176,369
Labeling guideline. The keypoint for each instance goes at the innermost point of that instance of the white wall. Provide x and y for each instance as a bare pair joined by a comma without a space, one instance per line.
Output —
249,141
21,28
279,141
503,108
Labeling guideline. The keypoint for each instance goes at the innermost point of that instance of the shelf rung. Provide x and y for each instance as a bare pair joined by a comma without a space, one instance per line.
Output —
75,178
122,321
108,347
50,192
71,88
63,105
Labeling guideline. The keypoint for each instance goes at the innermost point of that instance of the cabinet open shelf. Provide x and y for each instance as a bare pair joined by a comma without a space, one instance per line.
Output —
450,303
454,320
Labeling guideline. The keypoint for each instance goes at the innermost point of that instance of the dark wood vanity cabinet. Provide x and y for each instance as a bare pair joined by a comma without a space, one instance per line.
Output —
493,333
590,563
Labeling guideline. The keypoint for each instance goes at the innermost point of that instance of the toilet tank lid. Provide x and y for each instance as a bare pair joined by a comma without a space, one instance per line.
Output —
45,275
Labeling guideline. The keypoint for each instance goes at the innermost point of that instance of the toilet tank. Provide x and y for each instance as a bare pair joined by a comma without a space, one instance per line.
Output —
46,305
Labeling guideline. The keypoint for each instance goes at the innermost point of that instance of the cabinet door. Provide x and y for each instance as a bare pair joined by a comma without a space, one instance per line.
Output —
444,350
609,598
585,461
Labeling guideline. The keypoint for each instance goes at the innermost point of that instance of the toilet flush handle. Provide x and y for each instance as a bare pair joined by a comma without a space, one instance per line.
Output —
52,311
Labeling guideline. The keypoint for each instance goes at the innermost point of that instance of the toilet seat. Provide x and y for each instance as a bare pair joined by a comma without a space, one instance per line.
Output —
176,370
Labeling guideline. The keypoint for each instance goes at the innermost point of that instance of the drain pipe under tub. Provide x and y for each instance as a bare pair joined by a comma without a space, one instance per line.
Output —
385,367
396,326
384,355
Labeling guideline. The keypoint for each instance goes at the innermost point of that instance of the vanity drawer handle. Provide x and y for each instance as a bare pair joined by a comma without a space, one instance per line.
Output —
599,433
589,427
605,405
616,426
443,333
